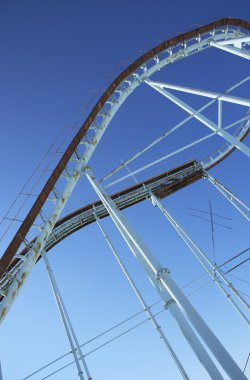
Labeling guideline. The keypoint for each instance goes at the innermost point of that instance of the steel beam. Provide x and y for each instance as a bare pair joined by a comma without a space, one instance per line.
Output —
207,94
211,269
203,119
67,322
175,300
235,41
241,206
143,302
236,51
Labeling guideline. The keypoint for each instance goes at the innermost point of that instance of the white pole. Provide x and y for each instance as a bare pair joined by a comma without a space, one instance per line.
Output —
203,259
233,199
143,302
233,50
66,321
234,41
171,294
195,91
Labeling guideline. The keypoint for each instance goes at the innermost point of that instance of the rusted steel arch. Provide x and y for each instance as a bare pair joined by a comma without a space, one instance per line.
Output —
48,187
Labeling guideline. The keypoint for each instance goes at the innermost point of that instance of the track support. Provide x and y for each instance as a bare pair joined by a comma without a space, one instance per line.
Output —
213,270
242,207
178,305
143,302
203,119
73,341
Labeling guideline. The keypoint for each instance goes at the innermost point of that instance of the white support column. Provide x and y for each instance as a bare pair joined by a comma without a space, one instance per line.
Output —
242,207
212,270
67,322
230,49
177,303
203,119
219,114
1,373
143,302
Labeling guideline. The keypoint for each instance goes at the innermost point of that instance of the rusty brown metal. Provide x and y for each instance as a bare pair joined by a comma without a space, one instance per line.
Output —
48,187
161,192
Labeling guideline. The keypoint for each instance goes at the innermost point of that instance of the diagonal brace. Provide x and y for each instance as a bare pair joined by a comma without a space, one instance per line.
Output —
207,94
230,49
203,119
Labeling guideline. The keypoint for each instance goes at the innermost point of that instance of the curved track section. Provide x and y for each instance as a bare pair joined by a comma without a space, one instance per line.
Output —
162,186
84,143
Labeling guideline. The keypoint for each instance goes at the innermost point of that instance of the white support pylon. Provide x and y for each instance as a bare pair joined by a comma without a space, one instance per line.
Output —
143,302
178,305
67,322
207,264
242,207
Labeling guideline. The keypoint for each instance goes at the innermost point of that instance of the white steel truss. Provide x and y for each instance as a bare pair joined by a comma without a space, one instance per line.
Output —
176,127
177,303
158,86
213,270
13,284
237,47
207,94
143,302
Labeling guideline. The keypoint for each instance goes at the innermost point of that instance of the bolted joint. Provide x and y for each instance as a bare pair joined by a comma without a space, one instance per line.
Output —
204,175
169,303
152,200
86,169
162,273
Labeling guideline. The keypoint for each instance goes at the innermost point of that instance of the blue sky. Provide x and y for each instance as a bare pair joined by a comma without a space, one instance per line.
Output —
57,57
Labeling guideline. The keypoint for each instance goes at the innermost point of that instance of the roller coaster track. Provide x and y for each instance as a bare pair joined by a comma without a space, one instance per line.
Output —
84,143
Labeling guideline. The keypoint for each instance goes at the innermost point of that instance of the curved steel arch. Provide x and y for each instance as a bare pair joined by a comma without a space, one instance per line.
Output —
124,84
29,220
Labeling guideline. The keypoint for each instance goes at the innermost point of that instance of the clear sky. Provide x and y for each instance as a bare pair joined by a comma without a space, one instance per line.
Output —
57,57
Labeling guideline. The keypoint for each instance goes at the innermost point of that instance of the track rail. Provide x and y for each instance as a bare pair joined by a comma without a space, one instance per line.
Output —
44,194
81,148
161,185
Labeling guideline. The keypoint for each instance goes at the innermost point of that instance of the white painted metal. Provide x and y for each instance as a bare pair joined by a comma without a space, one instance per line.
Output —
219,114
207,94
170,292
234,41
241,53
159,139
67,322
13,285
143,302
242,207
203,119
212,270
132,173
166,134
205,165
